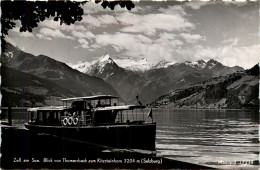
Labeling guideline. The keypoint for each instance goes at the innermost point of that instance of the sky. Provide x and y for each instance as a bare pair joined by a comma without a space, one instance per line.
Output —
153,31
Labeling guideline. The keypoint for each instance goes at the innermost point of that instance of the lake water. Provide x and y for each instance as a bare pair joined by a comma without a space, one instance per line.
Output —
216,138
209,137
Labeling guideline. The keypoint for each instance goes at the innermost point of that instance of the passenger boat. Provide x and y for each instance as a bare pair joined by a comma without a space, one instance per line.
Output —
96,120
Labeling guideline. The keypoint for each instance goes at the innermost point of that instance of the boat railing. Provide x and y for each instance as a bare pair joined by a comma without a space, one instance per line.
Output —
75,120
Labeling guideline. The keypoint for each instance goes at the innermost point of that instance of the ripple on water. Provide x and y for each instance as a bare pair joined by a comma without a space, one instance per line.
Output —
203,136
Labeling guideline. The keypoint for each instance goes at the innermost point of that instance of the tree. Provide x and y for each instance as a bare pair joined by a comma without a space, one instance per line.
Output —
30,14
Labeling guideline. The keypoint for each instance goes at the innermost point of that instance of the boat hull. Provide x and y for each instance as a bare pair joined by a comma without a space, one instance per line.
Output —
135,136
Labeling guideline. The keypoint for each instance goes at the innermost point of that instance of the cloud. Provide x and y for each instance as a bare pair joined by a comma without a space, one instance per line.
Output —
158,32
168,40
11,41
174,10
41,36
98,21
87,34
238,3
50,33
191,38
151,23
168,19
203,53
230,55
137,45
50,23
27,34
246,57
23,34
126,62
122,41
196,5
231,41
91,8
83,43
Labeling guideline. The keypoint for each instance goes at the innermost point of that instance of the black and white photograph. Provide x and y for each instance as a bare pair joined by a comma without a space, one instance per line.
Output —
130,84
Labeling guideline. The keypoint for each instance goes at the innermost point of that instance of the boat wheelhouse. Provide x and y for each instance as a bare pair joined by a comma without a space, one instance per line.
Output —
96,119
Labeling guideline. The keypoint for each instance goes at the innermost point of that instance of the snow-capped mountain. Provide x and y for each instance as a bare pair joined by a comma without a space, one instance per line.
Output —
82,67
142,66
212,63
162,64
213,67
102,62
121,79
151,81
200,64
96,66
103,67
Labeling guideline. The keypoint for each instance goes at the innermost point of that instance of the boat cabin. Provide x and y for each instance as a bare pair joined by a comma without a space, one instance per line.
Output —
82,111
45,115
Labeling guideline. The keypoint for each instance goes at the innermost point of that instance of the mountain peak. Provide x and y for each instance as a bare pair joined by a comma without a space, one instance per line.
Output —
163,64
105,58
201,61
212,63
103,64
200,64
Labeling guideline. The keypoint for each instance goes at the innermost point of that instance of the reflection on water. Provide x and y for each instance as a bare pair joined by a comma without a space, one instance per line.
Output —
199,136
208,136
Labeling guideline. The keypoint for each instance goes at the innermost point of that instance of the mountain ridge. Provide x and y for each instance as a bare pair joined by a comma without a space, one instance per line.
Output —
233,91
199,64
158,80
59,73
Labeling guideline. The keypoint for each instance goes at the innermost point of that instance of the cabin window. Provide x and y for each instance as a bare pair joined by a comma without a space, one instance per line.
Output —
33,116
50,119
47,114
58,115
103,103
40,116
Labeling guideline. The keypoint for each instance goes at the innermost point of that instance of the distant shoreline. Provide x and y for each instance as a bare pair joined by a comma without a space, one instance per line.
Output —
201,109
17,108
14,108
